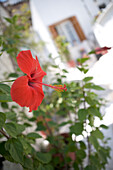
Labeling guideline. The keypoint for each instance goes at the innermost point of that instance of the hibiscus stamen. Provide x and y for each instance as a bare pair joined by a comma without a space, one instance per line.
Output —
59,88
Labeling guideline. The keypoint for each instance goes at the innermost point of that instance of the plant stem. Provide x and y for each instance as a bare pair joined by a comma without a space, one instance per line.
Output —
88,143
47,126
7,81
3,133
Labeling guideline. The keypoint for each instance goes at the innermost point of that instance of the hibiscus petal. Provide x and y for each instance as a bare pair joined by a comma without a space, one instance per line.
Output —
26,95
37,74
26,62
37,101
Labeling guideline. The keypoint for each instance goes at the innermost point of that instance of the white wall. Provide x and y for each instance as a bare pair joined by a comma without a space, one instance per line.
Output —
53,11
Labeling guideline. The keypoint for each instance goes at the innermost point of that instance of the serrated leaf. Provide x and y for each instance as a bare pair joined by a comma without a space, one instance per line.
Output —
20,128
14,129
2,119
15,148
82,114
11,129
43,157
26,145
33,135
77,128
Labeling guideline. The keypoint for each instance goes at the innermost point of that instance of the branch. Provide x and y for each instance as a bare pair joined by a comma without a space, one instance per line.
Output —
3,133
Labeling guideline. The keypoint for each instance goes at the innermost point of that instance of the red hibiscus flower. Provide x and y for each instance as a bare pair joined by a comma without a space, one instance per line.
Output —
102,50
98,50
27,90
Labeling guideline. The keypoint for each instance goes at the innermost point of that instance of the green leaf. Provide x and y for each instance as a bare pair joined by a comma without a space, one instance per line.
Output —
8,19
96,87
77,128
11,129
94,111
63,76
82,145
26,145
90,101
82,113
28,163
64,70
33,135
2,119
5,98
10,116
102,155
93,86
13,75
5,88
48,167
40,126
87,79
80,154
41,167
43,157
4,105
5,153
94,142
90,167
98,134
19,128
14,129
15,148
54,66
104,126
94,160
82,60
92,52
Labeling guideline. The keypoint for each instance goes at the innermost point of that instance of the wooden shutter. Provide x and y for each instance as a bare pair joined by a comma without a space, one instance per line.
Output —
53,31
77,28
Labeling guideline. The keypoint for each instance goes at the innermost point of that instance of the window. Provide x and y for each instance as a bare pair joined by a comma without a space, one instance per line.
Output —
70,28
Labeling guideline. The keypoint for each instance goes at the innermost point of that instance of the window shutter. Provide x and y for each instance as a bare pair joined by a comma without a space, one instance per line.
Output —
77,28
53,31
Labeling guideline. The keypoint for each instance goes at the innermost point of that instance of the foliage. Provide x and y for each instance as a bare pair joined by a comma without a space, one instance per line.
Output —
74,110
